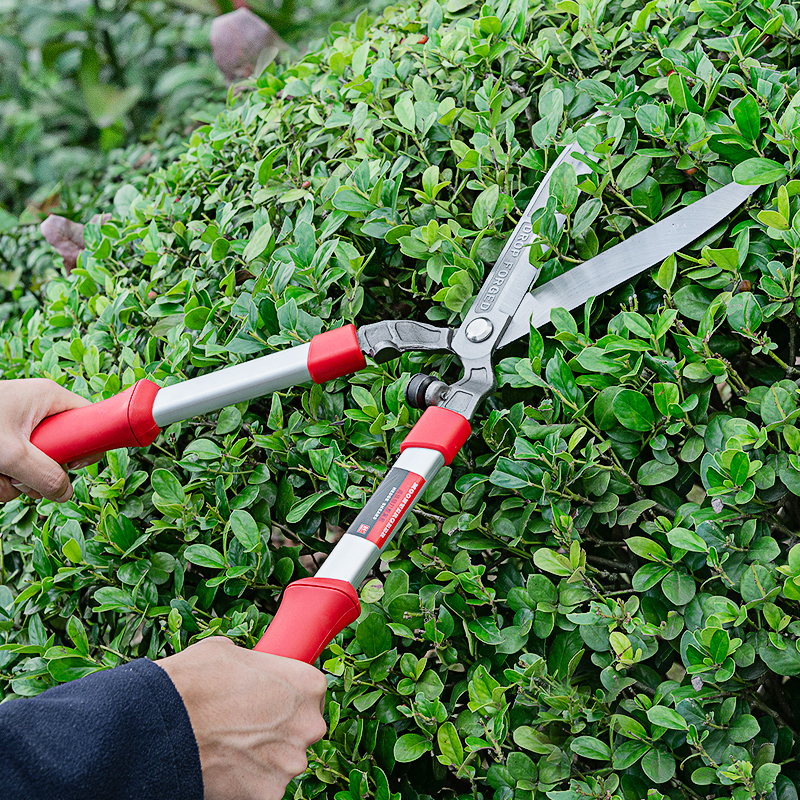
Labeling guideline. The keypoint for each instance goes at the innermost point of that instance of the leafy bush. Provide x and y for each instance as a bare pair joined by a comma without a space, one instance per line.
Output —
78,79
600,597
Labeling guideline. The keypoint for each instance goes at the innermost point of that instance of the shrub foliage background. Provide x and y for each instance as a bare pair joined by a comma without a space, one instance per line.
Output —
78,79
600,597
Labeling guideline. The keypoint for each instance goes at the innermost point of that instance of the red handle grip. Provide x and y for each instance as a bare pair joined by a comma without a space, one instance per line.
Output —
334,354
311,613
125,420
439,429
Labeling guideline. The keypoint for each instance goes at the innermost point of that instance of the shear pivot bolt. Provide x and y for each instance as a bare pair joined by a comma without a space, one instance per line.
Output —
479,329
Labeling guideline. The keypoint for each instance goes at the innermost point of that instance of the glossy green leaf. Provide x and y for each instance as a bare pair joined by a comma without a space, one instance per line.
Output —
758,172
633,410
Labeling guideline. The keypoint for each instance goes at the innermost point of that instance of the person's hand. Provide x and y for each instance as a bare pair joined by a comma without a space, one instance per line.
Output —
254,716
23,468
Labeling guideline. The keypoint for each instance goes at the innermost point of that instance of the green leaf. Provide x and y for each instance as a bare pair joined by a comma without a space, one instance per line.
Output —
72,550
258,243
485,205
552,562
693,301
404,111
664,396
585,215
485,630
647,196
373,635
64,670
450,744
680,94
687,540
167,487
411,746
744,728
590,747
563,320
628,726
704,776
77,633
204,556
564,187
758,172
637,324
776,405
560,377
653,473
646,548
245,529
627,753
352,202
679,588
667,718
648,576
747,117
530,739
630,514
220,249
659,765
744,312
634,172
633,411
765,777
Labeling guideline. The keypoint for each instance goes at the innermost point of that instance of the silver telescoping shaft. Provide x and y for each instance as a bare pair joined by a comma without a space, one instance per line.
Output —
231,385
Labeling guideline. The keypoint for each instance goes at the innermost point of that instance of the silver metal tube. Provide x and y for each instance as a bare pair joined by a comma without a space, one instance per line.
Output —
422,460
350,560
354,555
231,385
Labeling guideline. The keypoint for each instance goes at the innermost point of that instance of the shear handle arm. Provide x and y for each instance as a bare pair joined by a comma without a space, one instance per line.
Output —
314,610
125,420
387,339
135,417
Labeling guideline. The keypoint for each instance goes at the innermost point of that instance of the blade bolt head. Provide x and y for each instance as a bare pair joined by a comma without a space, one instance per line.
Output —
479,329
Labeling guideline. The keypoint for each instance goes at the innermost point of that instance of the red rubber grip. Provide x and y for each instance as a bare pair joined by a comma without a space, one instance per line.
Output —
125,420
439,429
334,354
311,613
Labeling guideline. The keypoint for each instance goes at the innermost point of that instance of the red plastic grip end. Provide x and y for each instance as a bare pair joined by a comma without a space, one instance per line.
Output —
439,429
125,420
334,354
311,613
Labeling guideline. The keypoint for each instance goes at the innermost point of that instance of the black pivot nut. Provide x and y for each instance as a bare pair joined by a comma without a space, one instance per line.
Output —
415,390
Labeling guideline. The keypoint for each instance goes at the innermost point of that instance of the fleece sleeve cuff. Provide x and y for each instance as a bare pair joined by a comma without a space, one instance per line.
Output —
119,734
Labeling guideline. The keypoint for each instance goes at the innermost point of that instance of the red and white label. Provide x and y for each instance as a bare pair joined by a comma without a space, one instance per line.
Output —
386,508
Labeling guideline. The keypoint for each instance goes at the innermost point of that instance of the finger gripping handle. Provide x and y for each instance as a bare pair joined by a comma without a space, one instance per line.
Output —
125,420
311,613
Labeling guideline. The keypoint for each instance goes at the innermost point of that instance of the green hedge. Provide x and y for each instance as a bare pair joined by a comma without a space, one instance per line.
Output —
79,79
599,598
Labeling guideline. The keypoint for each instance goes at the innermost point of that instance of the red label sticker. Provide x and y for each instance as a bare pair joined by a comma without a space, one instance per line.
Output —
386,508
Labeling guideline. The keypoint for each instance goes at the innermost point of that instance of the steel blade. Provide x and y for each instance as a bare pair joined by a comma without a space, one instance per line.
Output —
512,274
623,261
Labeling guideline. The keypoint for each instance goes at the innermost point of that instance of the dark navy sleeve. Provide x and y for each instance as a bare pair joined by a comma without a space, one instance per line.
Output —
119,734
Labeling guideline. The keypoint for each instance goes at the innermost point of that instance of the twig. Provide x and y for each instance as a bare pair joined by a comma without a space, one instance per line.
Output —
771,711
617,566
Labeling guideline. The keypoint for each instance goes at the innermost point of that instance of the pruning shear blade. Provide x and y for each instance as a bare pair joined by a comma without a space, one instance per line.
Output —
624,261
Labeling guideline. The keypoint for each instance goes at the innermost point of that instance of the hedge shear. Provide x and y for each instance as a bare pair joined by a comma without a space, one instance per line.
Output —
314,610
